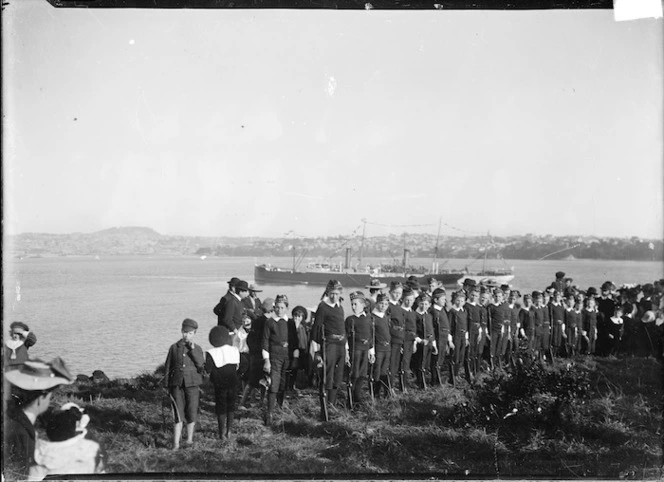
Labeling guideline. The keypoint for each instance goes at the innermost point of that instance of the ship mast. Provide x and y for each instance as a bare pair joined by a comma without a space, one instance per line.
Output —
364,229
434,268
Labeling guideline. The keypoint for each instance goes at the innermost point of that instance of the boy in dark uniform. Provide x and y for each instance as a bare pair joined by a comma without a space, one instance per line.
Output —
589,323
473,309
329,333
459,330
546,324
185,365
229,309
538,310
359,331
498,316
425,339
275,354
527,322
571,321
396,319
441,328
382,345
407,304
557,314
485,300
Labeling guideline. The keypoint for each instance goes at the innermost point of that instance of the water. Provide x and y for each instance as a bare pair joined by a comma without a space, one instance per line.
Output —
120,314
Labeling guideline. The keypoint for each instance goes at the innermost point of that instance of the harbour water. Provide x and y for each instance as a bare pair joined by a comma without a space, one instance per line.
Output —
120,314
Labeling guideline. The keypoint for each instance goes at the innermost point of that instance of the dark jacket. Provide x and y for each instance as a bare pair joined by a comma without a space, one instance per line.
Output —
19,447
229,312
184,365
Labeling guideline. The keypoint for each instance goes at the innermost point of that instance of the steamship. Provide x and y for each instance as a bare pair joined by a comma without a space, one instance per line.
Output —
320,273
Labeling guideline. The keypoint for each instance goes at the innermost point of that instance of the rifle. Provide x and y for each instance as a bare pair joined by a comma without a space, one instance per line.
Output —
323,386
402,372
371,365
423,370
349,383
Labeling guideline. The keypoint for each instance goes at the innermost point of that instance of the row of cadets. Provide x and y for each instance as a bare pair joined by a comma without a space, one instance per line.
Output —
360,333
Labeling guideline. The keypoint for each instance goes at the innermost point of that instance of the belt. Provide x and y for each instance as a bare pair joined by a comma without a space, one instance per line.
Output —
364,342
337,337
384,343
280,345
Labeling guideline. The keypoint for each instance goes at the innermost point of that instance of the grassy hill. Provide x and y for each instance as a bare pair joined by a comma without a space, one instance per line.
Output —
591,418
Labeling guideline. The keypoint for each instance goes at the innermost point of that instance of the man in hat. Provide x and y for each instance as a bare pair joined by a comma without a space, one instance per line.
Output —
16,347
606,307
229,308
185,365
252,303
375,287
31,384
559,283
468,285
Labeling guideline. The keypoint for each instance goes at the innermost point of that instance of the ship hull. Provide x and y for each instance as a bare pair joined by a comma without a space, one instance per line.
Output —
491,280
263,275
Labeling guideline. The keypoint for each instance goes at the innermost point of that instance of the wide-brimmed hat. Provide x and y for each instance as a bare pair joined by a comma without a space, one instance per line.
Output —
241,286
375,284
253,289
33,375
18,326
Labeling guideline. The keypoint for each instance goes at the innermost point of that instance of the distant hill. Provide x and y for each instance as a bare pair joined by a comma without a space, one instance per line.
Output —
144,240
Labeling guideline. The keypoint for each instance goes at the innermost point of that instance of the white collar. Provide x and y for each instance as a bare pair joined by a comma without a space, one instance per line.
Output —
327,301
460,308
360,315
277,318
395,303
407,309
31,416
236,295
378,314
437,308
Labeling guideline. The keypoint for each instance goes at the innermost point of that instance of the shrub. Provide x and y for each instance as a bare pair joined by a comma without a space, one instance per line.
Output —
529,393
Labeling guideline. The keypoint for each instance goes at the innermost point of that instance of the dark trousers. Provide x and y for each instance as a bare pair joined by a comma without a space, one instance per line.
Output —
396,359
278,369
335,359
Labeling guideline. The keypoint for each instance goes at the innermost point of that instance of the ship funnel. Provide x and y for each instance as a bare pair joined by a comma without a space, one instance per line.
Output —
406,252
347,263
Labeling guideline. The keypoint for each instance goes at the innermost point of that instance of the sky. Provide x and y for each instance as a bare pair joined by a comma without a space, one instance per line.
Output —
259,123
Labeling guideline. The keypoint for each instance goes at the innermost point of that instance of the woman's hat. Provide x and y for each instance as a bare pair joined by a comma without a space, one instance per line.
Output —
34,375
233,281
253,289
18,325
375,284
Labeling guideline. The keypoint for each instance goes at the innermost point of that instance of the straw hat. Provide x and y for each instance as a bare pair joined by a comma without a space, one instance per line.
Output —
36,374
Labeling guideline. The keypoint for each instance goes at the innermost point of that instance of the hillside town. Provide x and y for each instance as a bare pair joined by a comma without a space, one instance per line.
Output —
146,241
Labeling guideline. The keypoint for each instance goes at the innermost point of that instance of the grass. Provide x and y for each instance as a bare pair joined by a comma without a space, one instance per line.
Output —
615,431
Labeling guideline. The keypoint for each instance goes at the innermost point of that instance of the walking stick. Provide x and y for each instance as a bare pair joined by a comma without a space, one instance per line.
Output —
323,386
